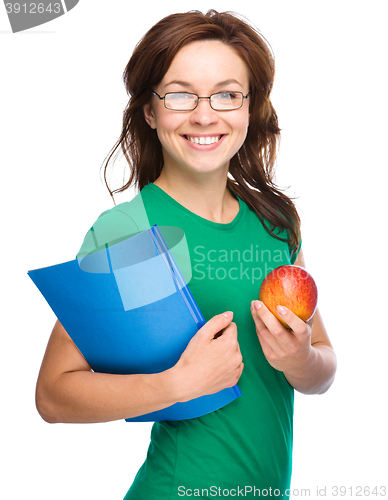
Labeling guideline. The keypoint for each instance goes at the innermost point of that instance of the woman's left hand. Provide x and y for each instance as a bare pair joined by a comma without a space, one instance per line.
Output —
289,351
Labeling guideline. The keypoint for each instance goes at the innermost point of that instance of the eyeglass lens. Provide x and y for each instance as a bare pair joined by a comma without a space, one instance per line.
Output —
186,101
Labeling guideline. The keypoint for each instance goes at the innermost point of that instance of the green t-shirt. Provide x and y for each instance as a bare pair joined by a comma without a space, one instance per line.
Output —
245,448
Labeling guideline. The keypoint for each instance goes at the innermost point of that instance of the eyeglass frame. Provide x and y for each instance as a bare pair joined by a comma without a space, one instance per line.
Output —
198,98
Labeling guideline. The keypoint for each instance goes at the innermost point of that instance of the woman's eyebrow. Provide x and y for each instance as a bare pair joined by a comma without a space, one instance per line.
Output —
179,82
228,82
219,85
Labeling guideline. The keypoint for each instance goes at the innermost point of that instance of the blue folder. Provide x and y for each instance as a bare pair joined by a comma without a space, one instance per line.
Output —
129,310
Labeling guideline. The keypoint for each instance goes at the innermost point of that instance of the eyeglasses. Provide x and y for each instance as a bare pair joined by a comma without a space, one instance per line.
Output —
186,101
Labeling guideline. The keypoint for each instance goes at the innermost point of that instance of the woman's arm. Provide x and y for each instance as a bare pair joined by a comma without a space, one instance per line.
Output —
69,391
304,354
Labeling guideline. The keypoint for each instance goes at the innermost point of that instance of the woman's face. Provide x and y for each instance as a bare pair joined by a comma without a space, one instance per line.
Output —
203,68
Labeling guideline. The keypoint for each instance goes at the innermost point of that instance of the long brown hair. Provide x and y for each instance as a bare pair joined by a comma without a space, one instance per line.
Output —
251,170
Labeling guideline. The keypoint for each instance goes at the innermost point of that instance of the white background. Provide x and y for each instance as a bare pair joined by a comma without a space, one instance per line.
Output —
62,97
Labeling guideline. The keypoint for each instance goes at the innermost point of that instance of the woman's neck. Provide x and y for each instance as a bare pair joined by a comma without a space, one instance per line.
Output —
208,198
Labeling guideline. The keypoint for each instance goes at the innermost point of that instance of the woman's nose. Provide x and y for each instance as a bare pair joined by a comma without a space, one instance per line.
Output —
204,114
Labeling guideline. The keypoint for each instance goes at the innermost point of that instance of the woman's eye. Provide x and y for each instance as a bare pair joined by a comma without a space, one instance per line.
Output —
179,96
227,95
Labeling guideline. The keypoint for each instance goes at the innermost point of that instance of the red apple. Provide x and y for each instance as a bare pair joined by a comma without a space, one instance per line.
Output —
292,287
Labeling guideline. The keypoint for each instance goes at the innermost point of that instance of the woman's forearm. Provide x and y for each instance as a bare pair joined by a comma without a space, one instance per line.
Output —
318,375
69,391
89,397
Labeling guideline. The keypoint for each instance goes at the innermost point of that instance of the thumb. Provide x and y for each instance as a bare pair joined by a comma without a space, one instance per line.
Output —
215,326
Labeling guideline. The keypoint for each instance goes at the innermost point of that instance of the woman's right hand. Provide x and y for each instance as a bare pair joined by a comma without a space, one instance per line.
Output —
69,391
210,364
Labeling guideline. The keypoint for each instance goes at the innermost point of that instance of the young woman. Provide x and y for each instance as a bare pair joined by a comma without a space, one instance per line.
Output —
200,137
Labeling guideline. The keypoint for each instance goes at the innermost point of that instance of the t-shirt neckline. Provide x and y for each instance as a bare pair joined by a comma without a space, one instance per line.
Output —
206,222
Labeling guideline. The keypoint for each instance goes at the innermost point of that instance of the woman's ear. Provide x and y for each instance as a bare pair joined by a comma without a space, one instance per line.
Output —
149,115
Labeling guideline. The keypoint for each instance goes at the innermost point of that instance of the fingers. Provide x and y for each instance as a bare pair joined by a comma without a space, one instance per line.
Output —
271,333
212,360
268,326
227,351
264,319
216,326
297,325
285,350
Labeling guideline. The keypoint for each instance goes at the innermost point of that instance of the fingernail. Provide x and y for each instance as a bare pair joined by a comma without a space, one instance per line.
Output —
281,310
257,304
228,314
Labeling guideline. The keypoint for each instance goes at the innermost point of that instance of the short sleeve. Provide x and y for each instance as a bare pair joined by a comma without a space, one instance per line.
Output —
294,255
111,227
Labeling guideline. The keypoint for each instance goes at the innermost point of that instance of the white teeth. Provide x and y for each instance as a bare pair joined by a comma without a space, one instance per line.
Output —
204,140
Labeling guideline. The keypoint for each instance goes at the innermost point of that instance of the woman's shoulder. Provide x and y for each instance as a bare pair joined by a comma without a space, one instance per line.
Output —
115,224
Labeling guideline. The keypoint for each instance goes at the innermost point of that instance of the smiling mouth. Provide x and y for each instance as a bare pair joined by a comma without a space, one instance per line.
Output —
204,141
